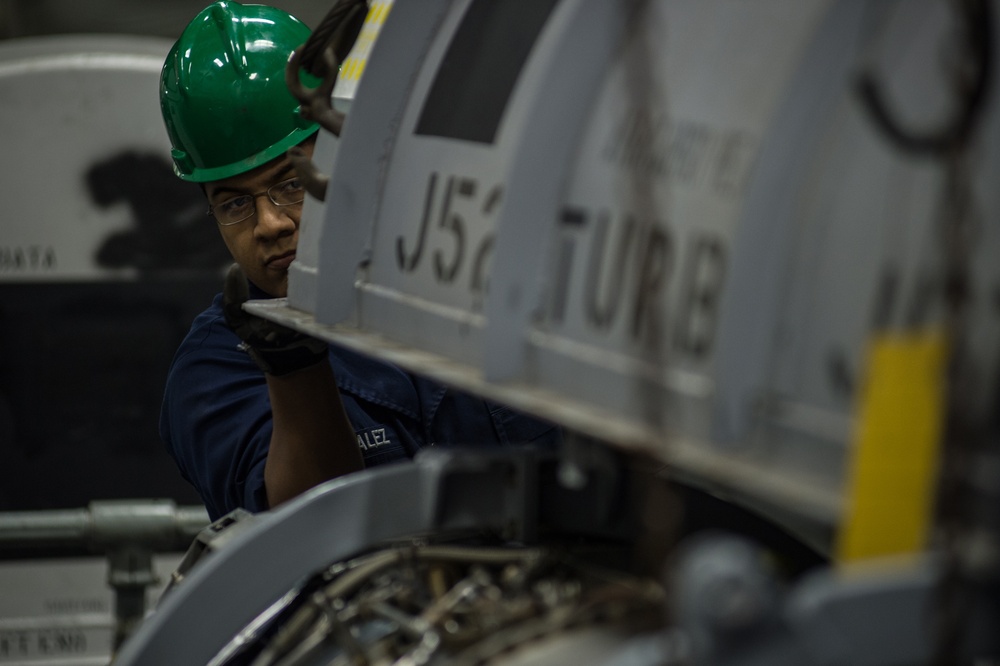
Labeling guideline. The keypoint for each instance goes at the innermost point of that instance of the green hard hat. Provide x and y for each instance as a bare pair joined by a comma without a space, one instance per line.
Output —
223,94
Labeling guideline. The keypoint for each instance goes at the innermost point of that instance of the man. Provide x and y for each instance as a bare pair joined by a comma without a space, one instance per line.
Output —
252,424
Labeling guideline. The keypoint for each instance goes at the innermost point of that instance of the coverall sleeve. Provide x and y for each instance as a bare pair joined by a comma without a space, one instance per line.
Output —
216,420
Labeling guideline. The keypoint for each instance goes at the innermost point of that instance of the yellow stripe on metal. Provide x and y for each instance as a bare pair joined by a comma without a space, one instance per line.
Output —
896,447
349,68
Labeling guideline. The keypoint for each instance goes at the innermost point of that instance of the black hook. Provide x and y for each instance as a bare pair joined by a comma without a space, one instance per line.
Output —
976,16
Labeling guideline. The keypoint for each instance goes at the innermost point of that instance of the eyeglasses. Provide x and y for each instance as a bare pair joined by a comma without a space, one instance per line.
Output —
286,193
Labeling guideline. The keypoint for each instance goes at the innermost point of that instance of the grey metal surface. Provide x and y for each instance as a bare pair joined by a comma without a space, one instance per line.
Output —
438,492
821,187
342,237
754,295
887,613
732,609
700,286
565,373
157,523
584,43
813,504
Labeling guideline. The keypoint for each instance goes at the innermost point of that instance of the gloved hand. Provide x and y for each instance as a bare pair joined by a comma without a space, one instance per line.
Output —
276,349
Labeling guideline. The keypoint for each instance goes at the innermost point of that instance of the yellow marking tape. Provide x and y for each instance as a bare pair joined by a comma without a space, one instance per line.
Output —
354,65
896,447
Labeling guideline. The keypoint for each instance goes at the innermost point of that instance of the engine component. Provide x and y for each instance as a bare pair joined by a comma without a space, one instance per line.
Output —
424,603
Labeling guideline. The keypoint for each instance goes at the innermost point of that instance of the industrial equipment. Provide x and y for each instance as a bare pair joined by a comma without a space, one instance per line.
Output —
744,252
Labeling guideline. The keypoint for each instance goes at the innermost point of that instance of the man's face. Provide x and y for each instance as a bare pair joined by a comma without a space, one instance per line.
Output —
264,243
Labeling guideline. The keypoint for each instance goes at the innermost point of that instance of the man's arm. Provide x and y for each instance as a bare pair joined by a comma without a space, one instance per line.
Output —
312,440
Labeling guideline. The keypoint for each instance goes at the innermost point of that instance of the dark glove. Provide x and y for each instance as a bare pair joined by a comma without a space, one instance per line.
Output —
276,349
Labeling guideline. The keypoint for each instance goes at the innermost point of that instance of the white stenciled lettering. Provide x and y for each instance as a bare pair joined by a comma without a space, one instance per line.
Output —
373,439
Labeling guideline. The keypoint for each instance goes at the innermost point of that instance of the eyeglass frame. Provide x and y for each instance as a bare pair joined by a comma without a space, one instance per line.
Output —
253,197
